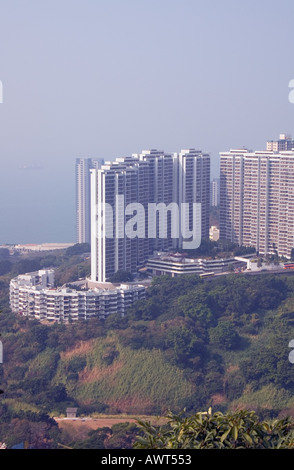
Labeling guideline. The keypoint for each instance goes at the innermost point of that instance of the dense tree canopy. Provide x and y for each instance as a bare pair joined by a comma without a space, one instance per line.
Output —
226,338
206,430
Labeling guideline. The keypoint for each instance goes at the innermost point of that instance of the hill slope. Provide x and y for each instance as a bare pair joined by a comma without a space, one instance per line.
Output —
191,343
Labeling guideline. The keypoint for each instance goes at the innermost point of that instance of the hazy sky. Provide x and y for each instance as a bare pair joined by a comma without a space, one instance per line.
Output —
108,78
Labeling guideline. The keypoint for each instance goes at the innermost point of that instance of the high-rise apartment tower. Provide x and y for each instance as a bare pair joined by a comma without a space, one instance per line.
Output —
214,192
257,200
83,212
284,142
122,193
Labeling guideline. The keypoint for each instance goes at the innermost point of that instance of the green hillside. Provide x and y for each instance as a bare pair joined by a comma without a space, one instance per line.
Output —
193,343
132,382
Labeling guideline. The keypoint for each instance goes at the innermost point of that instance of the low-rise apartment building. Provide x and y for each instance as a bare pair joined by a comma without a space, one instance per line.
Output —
176,264
35,296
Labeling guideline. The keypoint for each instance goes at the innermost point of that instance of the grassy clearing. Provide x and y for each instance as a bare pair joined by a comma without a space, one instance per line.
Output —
268,397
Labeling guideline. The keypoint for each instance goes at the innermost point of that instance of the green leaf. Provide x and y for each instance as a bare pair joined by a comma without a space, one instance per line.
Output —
248,438
235,432
225,435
